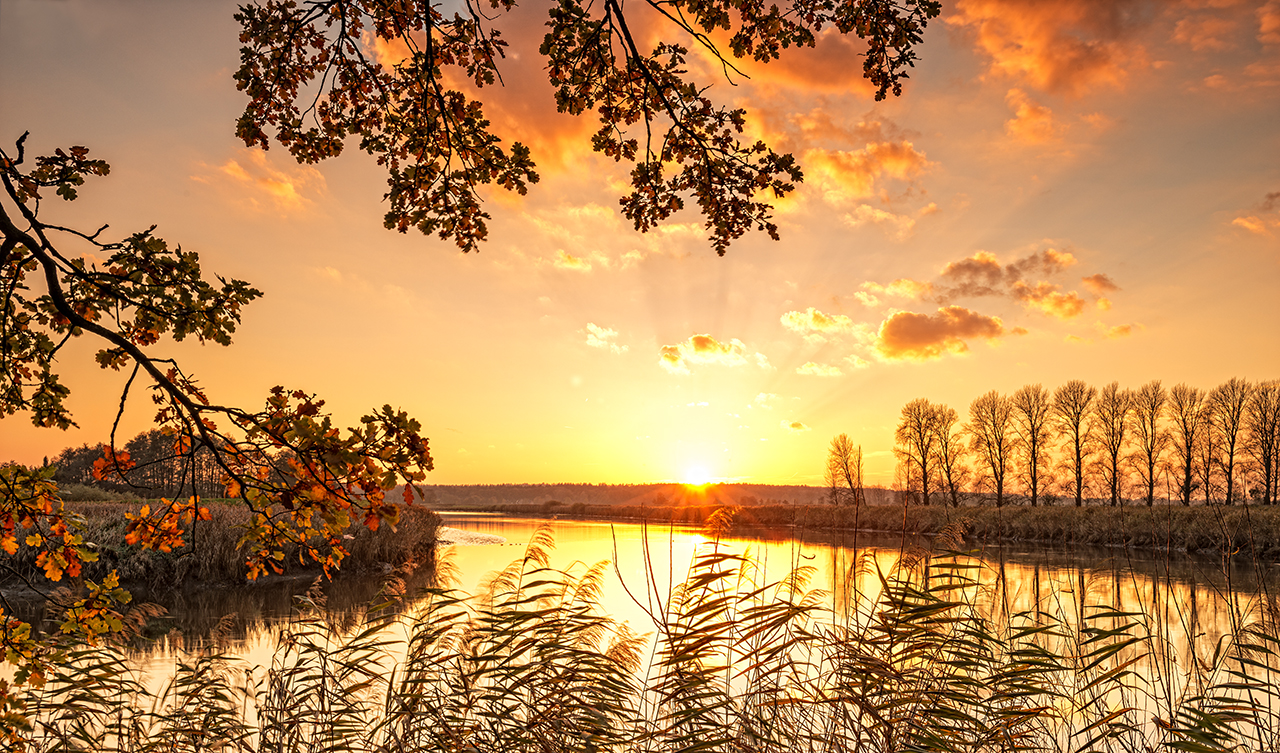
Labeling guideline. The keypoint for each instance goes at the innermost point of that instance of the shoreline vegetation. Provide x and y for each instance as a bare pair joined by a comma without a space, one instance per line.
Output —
931,660
210,556
1238,530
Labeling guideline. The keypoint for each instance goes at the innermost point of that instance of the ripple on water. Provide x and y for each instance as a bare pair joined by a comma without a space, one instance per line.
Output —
447,535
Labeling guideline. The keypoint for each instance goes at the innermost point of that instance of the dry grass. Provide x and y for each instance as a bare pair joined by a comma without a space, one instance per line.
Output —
211,555
1240,531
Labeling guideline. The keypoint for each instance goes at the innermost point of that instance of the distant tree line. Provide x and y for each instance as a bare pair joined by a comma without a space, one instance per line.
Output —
1082,443
161,467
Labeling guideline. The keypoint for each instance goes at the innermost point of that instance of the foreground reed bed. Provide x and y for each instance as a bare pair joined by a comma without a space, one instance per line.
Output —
926,659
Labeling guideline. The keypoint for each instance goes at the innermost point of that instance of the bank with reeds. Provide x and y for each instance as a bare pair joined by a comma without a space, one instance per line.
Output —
211,555
1239,530
930,661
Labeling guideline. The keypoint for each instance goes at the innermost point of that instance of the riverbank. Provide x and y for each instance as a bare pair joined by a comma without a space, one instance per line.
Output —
211,555
1251,531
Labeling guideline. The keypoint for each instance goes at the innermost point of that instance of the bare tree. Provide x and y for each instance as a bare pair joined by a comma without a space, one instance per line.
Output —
1031,414
844,471
1072,407
1230,401
1152,438
1111,411
1262,422
916,439
951,453
1208,450
992,438
1186,412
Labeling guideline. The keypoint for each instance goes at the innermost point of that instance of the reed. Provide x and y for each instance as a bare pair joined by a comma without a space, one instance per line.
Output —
1251,531
212,555
927,660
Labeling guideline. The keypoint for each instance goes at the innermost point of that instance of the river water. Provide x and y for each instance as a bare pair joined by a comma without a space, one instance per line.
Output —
1198,600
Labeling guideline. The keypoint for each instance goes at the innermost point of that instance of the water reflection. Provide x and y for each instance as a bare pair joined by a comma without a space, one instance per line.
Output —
1190,603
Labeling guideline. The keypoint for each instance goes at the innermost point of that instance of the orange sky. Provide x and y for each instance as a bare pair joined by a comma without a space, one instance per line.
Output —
1084,189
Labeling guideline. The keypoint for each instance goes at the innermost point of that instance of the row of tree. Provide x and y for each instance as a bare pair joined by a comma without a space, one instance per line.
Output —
1219,446
161,467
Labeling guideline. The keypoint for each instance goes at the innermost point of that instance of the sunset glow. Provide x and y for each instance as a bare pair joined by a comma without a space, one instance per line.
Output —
696,476
1063,191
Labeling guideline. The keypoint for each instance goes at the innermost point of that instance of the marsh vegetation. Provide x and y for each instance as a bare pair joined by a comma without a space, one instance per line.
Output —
907,650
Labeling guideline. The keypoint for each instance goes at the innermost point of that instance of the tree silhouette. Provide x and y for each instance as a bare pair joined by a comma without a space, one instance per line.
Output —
1151,436
951,453
916,441
1263,443
1187,414
1229,401
1031,416
1072,410
992,439
1111,415
844,471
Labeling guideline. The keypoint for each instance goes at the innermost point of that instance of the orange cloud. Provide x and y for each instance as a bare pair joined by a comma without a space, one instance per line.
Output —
795,426
1067,47
1269,22
907,335
813,324
258,181
843,176
1099,284
833,64
1120,330
1202,33
900,288
1032,123
565,260
1048,298
705,349
1265,219
896,226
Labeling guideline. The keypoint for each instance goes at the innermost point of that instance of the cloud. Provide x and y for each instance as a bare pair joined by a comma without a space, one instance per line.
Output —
565,260
1265,220
902,287
982,274
1100,284
763,399
845,176
813,324
897,226
794,426
705,349
257,181
907,335
1048,298
1067,47
819,370
1031,123
1269,22
1120,330
603,338
1202,33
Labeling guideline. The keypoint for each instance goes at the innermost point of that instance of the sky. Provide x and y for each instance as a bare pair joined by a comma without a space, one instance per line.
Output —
1082,189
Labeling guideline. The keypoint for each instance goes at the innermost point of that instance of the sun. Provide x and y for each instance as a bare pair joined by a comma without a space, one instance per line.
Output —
697,475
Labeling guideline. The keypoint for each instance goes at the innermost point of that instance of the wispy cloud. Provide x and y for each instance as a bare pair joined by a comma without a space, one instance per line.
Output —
603,338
